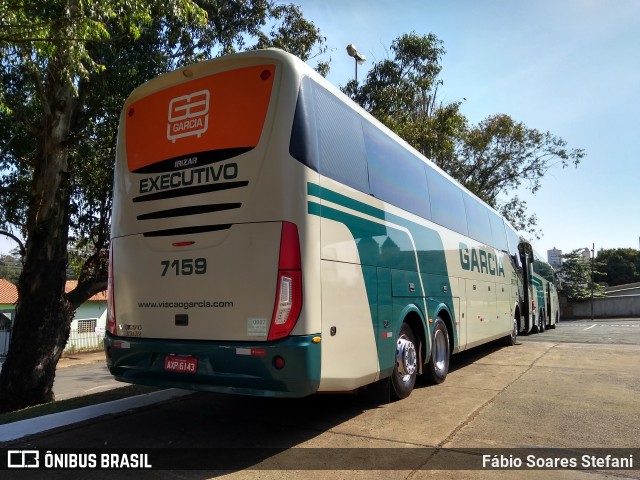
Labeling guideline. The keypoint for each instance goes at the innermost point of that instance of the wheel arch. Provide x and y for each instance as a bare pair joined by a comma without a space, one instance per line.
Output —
412,316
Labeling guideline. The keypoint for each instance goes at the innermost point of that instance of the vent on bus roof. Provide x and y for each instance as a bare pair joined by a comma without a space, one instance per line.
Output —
192,210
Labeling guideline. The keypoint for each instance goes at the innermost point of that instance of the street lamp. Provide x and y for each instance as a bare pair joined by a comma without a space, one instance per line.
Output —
357,56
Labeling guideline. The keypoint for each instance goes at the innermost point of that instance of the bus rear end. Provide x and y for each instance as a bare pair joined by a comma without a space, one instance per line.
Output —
205,280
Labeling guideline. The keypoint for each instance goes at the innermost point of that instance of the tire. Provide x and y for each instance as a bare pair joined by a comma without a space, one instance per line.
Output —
512,338
554,325
406,366
541,322
438,367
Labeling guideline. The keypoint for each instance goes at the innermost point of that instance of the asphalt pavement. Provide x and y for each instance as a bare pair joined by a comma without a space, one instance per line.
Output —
83,374
571,393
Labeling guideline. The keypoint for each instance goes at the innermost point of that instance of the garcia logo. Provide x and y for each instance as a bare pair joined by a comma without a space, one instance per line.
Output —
480,260
188,115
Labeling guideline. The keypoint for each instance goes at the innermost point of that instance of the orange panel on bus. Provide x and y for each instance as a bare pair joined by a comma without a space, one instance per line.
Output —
217,112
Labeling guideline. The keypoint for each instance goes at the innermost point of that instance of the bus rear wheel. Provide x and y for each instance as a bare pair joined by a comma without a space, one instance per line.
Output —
438,367
541,322
512,338
406,366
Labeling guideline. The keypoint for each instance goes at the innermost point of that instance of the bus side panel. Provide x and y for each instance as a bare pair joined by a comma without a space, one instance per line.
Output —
485,287
349,355
504,314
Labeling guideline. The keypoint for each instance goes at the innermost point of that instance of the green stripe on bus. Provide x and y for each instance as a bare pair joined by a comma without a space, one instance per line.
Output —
536,281
386,245
431,260
339,199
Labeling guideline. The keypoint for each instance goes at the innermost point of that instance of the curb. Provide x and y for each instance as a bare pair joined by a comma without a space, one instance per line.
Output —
31,426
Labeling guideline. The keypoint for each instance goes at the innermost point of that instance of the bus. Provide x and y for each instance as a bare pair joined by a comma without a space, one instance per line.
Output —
544,282
521,254
271,238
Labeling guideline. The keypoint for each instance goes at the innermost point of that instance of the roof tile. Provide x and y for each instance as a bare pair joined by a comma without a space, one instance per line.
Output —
8,292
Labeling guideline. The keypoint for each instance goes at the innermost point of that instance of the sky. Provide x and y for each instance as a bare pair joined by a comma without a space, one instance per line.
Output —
570,67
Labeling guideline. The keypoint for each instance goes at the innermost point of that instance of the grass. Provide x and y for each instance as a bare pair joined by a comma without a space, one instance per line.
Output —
73,403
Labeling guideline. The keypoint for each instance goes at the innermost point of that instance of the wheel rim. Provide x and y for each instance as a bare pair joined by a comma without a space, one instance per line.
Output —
514,332
440,351
406,358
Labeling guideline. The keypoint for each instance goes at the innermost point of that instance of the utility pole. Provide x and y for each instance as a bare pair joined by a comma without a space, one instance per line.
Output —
593,253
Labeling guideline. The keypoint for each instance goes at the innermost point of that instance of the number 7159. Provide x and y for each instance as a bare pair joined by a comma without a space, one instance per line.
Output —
185,266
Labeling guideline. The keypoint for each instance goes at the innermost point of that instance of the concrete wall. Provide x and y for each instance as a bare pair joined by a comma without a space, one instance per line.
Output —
603,307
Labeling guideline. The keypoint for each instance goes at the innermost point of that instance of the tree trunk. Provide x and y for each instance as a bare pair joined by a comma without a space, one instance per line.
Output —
44,313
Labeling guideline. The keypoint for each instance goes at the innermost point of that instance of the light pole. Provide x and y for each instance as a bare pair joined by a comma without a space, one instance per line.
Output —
593,253
357,56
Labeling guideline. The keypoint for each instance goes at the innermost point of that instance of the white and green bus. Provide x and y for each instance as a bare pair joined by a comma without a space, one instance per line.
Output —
544,282
269,237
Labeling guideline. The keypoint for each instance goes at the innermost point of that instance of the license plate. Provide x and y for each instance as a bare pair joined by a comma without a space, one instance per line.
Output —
173,363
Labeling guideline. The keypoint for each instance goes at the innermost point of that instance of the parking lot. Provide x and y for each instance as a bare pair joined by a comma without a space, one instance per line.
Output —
609,331
576,387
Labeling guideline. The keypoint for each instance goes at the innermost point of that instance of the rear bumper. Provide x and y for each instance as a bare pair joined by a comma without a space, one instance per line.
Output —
226,367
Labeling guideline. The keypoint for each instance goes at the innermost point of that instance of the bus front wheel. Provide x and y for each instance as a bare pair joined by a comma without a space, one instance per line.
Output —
438,366
406,365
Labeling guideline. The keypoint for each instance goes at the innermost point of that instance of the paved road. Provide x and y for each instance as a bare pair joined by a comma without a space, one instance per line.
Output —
566,393
614,331
83,379
77,380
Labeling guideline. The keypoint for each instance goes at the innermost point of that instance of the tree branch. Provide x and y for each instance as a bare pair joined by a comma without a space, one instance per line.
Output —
16,239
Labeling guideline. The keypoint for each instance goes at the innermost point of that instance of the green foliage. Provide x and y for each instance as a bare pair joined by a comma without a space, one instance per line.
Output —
576,277
291,32
65,71
403,89
618,266
108,49
10,268
492,159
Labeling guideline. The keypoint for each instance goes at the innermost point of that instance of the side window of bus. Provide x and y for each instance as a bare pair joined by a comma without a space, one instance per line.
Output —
477,220
447,206
498,231
340,141
395,174
513,240
302,144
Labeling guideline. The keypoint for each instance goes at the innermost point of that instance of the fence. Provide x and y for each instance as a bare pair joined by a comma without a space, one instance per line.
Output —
6,322
85,336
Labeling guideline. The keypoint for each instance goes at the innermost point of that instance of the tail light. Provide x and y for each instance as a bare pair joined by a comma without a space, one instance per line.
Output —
533,304
111,312
288,302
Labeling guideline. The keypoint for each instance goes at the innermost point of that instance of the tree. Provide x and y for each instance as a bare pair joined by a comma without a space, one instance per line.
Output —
492,159
10,268
618,266
576,277
500,154
65,70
